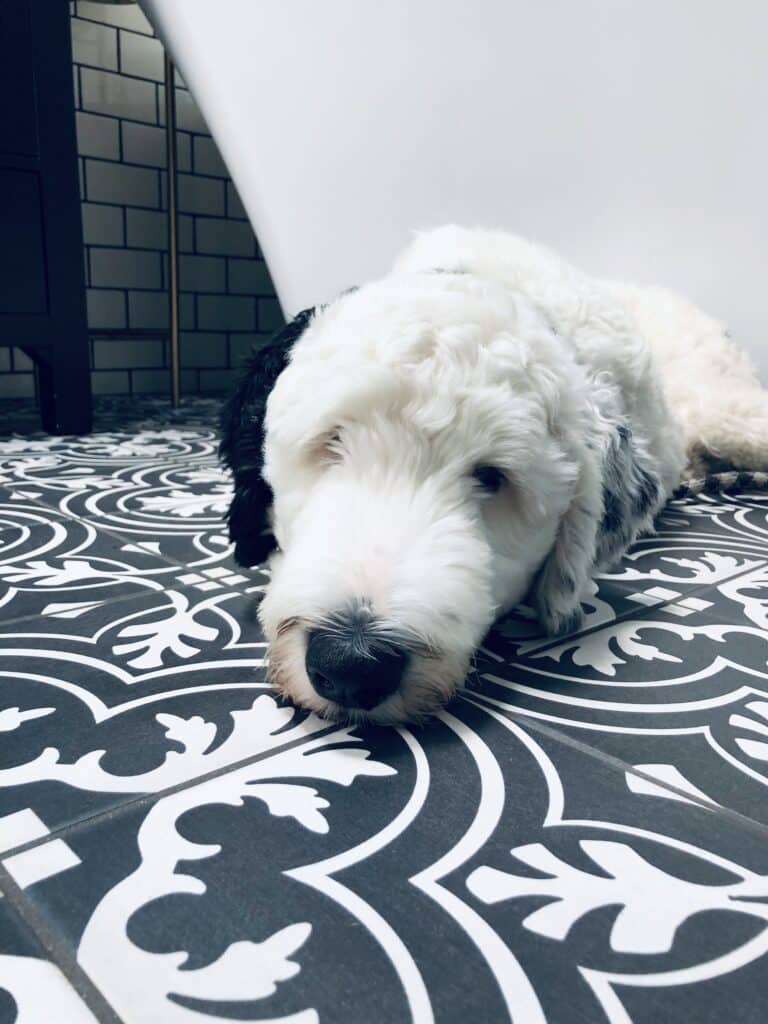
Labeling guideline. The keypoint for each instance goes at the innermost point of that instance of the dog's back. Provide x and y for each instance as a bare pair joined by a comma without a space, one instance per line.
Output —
710,384
589,314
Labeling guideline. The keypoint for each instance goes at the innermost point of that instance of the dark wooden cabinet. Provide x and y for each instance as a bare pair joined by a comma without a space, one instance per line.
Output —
42,279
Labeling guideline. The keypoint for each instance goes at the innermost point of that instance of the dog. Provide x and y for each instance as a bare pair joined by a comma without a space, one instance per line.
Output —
484,424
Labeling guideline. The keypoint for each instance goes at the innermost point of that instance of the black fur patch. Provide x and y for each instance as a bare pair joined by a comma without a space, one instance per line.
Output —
731,482
242,443
631,491
566,581
647,493
613,512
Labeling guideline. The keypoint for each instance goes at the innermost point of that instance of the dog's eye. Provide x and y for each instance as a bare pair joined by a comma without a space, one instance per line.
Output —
327,447
489,478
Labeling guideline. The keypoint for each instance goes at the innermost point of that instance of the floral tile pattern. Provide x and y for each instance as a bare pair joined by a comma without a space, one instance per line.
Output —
582,835
679,692
53,565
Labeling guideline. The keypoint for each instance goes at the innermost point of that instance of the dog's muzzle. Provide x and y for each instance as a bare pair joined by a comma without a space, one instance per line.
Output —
351,673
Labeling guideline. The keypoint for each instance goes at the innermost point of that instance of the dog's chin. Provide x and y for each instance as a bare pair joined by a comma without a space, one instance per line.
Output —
428,685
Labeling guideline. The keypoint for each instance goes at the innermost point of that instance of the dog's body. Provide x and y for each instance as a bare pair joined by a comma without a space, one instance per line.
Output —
482,424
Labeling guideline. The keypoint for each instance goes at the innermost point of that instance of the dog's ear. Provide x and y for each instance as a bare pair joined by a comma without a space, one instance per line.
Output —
563,577
618,494
632,495
242,443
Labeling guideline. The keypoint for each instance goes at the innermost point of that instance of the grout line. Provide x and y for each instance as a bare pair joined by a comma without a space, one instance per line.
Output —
117,28
722,810
640,612
148,799
548,645
170,565
682,536
125,538
58,949
137,595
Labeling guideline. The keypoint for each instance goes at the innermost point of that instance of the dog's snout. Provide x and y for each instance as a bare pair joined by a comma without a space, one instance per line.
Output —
350,673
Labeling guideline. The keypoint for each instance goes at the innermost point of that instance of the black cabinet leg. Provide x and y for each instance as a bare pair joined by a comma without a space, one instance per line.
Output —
65,396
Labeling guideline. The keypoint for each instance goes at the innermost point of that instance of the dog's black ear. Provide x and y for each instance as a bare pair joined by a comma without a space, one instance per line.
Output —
242,443
618,493
632,495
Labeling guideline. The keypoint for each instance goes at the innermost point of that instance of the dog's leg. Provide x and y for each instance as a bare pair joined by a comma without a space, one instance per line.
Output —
724,415
729,431
711,385
726,440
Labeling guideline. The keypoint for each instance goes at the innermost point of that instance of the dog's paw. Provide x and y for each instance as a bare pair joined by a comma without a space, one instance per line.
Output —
560,620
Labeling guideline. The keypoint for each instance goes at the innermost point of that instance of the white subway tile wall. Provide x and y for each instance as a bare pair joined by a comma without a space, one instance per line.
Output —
228,301
103,225
97,136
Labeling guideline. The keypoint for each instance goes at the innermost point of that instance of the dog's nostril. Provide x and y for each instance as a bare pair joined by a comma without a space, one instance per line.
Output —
344,670
320,683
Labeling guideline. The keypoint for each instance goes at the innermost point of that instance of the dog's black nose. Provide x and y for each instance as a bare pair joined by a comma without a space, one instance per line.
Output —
351,673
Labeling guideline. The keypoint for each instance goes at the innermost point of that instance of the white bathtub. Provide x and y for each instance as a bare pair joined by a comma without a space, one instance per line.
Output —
629,134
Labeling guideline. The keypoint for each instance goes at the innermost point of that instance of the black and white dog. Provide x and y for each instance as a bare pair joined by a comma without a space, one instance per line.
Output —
482,424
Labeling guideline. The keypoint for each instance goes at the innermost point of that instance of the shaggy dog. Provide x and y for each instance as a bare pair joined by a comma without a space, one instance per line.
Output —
482,425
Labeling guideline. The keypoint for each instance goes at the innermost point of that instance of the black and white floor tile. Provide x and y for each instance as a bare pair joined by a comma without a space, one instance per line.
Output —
32,988
581,836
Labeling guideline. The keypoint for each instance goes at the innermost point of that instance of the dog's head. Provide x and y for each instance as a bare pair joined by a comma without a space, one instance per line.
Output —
417,456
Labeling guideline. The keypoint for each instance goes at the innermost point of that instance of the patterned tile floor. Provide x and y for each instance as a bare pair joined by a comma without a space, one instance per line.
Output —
581,837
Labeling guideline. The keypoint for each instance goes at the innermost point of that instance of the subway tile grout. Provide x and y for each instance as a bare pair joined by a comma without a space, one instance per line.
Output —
117,28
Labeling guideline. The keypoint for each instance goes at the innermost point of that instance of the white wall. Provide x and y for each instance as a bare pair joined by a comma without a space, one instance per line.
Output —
630,134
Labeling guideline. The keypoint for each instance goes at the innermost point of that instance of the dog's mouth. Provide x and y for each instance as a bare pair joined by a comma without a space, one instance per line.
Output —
351,666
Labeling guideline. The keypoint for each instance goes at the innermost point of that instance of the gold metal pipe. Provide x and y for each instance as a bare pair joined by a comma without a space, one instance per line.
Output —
173,249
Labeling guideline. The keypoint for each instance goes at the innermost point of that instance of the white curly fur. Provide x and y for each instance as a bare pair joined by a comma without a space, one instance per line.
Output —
479,348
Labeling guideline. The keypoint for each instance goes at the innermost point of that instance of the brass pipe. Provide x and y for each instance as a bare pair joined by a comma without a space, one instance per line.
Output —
173,253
